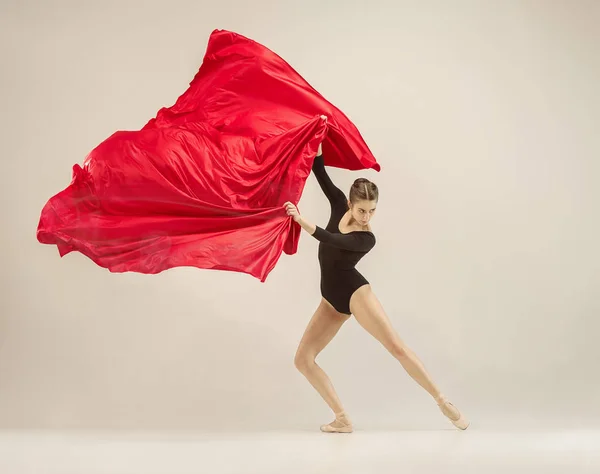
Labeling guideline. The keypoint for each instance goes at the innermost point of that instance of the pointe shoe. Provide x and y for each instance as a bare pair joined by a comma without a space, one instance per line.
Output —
341,424
462,422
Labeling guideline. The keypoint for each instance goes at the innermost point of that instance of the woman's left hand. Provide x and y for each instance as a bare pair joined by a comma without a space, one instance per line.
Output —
292,210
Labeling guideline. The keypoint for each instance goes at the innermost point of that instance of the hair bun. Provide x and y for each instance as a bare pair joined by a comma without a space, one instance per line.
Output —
363,189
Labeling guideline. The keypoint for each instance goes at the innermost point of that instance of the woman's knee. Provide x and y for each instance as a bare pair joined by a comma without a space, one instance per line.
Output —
303,361
398,350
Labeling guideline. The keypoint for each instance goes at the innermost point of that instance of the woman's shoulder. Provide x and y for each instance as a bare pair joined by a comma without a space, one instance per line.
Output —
365,235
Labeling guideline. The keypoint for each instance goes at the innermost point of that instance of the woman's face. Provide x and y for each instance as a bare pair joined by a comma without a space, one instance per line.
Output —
362,211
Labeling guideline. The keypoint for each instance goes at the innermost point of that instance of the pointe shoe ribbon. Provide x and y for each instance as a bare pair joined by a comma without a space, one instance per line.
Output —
342,425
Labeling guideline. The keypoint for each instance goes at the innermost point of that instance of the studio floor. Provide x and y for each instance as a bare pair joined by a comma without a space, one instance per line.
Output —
362,452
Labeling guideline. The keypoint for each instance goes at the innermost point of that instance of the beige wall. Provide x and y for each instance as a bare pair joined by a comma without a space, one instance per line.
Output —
484,117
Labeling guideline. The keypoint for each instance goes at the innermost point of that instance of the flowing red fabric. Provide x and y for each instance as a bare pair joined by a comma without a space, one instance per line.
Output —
203,183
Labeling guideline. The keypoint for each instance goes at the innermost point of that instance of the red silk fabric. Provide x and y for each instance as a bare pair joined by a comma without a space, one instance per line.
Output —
203,183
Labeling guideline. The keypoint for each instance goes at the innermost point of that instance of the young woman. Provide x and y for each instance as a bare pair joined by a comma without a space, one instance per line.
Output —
345,292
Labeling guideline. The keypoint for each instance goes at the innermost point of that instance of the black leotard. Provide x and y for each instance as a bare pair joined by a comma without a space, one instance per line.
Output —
339,253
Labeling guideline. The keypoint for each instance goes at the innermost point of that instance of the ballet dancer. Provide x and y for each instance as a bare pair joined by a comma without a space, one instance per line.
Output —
345,292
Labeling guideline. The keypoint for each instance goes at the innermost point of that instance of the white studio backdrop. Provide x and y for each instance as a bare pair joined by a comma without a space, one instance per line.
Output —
484,117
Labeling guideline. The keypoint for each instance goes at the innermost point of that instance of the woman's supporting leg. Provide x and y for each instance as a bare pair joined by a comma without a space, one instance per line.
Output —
323,326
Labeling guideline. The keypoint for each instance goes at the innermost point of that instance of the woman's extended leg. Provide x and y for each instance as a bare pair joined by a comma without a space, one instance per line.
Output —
323,326
369,313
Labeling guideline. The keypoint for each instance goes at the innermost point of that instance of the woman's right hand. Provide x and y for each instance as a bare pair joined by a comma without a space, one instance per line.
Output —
320,150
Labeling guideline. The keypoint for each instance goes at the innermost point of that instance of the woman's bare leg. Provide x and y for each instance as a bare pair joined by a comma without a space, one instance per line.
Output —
323,326
370,315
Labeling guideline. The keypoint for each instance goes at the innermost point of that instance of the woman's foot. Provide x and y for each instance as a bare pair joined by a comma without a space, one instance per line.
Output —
452,413
341,424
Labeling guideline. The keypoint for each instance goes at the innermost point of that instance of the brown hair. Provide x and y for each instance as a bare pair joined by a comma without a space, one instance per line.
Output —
363,190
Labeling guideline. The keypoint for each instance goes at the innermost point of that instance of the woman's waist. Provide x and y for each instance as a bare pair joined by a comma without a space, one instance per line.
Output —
342,270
